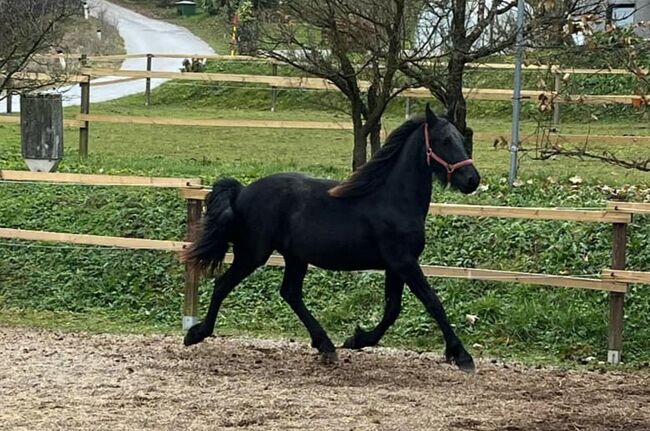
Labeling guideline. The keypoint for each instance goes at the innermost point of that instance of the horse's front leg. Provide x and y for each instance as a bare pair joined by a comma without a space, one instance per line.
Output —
393,289
410,271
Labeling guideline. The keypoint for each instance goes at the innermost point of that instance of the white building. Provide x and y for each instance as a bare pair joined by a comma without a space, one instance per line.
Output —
623,13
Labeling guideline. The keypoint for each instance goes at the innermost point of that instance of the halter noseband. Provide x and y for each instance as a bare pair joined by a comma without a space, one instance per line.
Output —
450,168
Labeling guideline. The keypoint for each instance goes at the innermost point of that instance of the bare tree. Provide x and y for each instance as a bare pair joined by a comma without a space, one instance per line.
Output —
357,45
453,34
604,46
30,27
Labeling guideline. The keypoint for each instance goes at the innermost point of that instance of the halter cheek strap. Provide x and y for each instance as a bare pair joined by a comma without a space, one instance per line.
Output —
450,168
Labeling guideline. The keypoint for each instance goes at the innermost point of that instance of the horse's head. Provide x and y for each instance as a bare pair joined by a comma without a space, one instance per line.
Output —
446,154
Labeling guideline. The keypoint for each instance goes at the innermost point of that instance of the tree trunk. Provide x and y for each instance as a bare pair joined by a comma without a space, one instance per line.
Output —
456,104
375,138
359,151
373,124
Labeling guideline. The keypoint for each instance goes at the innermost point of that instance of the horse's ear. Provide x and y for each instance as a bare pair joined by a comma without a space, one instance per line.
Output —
431,117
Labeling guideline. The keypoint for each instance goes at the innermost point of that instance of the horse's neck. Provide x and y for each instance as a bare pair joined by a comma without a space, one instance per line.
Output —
409,183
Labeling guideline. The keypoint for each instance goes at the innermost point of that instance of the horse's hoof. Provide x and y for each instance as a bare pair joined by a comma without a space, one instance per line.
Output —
462,359
351,343
467,365
328,358
194,335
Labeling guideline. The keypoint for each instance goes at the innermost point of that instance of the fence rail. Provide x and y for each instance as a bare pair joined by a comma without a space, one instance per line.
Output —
245,58
325,125
10,119
611,285
323,84
99,180
441,209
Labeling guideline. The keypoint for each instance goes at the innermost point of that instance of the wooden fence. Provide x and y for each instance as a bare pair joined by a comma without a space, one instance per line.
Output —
83,120
613,280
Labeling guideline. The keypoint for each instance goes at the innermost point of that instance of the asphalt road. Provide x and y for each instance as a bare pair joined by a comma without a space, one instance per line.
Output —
141,35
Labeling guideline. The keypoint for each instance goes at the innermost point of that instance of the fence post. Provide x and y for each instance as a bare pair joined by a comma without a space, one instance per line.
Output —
556,100
85,109
147,90
274,90
192,273
407,112
616,299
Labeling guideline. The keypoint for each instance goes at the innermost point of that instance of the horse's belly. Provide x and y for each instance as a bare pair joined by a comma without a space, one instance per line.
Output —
340,251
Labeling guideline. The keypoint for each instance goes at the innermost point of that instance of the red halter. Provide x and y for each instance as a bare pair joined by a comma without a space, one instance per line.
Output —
431,155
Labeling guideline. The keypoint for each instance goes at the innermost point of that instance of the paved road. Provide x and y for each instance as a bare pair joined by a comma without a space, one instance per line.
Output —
141,35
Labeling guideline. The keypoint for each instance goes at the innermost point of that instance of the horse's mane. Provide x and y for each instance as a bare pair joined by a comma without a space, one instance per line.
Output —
374,173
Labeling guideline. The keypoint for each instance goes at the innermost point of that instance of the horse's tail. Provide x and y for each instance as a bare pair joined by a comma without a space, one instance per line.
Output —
210,248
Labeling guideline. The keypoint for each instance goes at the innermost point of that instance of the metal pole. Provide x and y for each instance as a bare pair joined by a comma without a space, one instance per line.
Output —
516,97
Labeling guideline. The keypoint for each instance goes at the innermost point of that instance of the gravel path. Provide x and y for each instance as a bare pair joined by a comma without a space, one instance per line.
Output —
51,381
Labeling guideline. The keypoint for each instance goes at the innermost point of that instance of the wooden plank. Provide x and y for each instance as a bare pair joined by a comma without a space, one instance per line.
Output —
99,180
617,299
192,272
10,119
96,83
522,277
107,57
494,66
44,77
84,132
626,276
494,211
275,260
553,69
501,276
199,194
164,121
529,213
629,207
104,241
274,124
322,84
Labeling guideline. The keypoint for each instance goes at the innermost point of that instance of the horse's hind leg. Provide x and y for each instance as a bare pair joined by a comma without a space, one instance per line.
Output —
291,292
241,268
394,286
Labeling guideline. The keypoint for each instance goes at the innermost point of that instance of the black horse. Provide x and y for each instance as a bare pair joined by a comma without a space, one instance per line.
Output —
373,220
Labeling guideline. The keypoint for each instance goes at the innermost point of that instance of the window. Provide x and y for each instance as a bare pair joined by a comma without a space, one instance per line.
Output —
621,15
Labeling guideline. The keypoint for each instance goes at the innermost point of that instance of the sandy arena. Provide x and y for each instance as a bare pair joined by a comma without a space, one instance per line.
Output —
62,381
